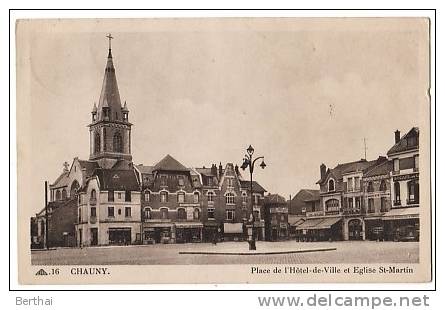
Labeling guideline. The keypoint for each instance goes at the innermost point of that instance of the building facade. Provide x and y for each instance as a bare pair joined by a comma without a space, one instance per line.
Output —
276,218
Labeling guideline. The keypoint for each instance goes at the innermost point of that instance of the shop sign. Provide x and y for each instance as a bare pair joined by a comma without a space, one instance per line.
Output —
404,177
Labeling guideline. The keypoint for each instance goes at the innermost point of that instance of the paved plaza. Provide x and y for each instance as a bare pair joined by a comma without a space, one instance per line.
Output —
168,254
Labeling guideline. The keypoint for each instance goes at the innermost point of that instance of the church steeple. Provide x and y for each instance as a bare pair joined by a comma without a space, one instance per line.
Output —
110,130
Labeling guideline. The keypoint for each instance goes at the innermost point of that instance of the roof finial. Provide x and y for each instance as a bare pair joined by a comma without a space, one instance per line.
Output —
109,44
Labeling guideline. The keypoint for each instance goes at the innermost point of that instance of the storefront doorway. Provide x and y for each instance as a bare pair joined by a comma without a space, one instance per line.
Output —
355,229
119,236
94,236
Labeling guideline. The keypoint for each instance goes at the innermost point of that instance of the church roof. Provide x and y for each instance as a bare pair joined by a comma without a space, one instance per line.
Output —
168,163
109,95
111,179
89,166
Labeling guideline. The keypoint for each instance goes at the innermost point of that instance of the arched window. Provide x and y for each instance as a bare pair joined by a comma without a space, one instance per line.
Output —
370,186
97,143
164,213
147,196
196,214
181,197
413,191
230,198
331,186
147,213
182,215
332,205
93,197
210,197
244,195
63,193
195,197
74,188
58,195
164,196
396,193
117,143
382,185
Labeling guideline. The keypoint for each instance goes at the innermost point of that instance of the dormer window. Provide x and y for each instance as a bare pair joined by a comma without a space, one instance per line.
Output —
331,185
125,117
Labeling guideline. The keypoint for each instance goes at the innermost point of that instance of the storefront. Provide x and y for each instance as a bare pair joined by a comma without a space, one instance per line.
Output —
119,236
374,228
158,233
233,232
402,224
211,232
188,232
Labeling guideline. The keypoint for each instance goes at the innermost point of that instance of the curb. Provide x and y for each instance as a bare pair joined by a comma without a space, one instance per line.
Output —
259,253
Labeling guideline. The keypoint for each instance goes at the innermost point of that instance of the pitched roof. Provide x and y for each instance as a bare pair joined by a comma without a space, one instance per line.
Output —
111,179
109,95
62,180
274,198
402,145
205,171
122,164
355,166
306,195
145,169
89,166
256,187
380,169
168,163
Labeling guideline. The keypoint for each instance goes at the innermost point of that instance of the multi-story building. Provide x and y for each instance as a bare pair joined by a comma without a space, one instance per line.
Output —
402,221
276,218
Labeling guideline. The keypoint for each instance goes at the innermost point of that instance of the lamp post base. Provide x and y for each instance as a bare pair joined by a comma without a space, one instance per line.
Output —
251,239
252,245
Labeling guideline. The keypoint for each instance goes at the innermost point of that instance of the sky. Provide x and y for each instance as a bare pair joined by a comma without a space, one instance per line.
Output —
301,91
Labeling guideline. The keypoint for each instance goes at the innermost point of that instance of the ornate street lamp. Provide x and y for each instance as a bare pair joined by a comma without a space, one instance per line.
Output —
249,162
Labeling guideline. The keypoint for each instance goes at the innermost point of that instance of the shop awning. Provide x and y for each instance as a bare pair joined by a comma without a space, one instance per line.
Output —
157,225
188,225
233,228
295,220
401,213
309,224
327,223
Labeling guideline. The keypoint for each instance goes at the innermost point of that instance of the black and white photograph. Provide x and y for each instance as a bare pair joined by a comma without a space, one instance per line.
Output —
177,146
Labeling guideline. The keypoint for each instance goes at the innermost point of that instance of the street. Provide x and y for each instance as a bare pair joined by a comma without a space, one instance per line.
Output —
168,254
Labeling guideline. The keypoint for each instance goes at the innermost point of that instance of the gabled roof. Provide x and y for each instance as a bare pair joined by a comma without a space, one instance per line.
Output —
62,180
341,169
256,187
380,169
402,145
111,179
306,195
205,171
168,163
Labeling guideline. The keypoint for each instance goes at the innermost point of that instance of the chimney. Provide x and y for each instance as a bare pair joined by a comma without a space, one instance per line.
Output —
220,169
214,170
322,170
397,136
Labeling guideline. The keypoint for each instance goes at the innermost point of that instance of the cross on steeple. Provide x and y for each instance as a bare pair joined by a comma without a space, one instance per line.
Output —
109,40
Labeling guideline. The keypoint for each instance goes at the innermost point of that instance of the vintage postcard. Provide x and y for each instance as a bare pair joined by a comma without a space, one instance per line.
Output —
223,150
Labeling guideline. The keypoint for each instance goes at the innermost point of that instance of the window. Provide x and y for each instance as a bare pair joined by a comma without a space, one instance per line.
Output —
416,162
93,211
370,186
230,198
58,196
230,215
163,180
371,208
357,202
182,215
244,213
332,205
119,196
350,203
80,199
210,197
181,181
413,192
147,213
349,186
110,211
256,199
244,195
93,197
331,186
396,193
210,213
63,193
97,143
195,197
383,207
164,213
127,211
117,143
256,215
110,196
396,166
147,196
303,210
229,182
80,214
196,214
181,197
128,196
357,183
164,196
119,211
382,186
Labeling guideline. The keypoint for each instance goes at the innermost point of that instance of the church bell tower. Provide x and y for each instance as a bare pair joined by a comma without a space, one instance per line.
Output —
110,130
